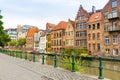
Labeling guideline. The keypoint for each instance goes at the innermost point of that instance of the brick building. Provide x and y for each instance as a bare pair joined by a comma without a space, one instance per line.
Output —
30,38
111,18
69,37
95,32
57,35
81,28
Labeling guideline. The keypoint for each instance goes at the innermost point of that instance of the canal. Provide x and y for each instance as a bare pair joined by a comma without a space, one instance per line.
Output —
111,69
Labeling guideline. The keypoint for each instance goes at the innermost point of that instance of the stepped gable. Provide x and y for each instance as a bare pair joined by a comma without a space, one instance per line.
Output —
82,11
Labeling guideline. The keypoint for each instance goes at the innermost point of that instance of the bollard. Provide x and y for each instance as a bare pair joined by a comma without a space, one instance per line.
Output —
20,55
34,60
26,56
55,60
73,63
43,58
100,68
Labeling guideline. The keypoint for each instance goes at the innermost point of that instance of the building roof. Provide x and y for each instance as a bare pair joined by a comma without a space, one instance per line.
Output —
61,25
50,25
81,12
31,31
95,17
11,29
73,23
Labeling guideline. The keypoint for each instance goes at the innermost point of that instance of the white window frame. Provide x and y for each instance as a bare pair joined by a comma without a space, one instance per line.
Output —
115,39
115,52
107,40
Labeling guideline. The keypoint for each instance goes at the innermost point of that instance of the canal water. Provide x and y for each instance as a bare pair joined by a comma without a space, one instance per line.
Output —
111,69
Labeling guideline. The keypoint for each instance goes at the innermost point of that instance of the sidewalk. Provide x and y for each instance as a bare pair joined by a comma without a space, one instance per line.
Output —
12,68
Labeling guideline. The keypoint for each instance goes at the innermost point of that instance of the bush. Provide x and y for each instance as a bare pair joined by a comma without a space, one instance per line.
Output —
68,64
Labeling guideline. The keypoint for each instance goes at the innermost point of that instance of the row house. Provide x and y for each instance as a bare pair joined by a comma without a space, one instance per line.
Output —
30,38
49,28
57,36
95,32
111,36
42,45
68,39
81,28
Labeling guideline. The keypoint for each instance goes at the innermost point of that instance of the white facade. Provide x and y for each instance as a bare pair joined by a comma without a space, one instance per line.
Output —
40,41
42,44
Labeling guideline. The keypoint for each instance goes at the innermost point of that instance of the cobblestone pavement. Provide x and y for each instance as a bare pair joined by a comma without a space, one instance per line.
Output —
12,68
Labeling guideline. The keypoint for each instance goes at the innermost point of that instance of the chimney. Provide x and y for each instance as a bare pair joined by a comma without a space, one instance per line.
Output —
93,9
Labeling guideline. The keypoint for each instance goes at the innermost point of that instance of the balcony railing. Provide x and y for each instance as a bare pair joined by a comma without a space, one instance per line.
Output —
114,30
113,16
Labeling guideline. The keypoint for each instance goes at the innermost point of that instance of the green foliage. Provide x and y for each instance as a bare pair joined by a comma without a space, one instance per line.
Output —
74,51
13,43
4,38
68,64
21,41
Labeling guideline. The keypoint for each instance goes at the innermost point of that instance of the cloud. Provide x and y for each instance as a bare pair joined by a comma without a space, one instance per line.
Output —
38,12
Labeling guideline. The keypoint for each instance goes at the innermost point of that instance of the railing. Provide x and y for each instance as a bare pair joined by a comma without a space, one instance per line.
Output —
113,16
72,62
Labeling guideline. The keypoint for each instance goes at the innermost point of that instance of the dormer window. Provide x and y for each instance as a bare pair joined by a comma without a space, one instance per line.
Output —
114,4
80,17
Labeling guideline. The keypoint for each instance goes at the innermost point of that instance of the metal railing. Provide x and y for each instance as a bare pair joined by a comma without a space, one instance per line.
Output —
58,60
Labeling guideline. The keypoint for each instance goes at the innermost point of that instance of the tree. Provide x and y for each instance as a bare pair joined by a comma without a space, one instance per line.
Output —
21,42
13,43
4,38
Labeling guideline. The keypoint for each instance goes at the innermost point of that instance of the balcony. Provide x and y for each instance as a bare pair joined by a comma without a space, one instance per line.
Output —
114,30
112,16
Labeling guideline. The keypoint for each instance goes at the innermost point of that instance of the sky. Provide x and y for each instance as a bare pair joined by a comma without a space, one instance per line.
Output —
39,12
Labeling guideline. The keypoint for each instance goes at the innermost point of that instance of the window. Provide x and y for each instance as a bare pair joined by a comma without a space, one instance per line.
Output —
114,4
81,18
115,52
60,42
98,46
106,28
89,46
71,33
93,46
98,25
84,25
114,26
114,13
93,36
89,36
108,51
89,26
98,36
77,26
107,40
106,15
115,39
77,34
93,26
